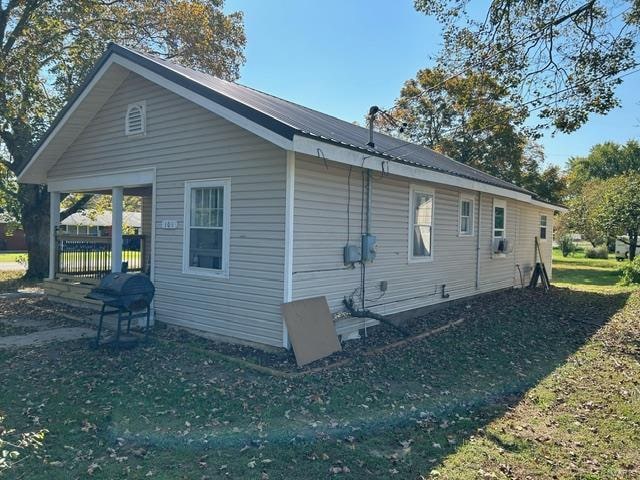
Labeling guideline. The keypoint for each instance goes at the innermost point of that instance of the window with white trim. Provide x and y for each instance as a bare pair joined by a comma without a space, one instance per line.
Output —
543,227
499,218
421,224
466,215
136,119
206,223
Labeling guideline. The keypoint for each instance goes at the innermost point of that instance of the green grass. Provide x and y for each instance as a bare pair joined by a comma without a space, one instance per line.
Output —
531,385
11,256
576,271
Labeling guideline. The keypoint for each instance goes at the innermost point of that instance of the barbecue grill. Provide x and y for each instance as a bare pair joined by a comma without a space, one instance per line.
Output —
129,296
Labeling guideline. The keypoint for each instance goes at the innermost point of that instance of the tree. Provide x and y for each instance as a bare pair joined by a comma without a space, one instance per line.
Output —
605,160
472,119
618,210
563,58
467,118
580,218
46,48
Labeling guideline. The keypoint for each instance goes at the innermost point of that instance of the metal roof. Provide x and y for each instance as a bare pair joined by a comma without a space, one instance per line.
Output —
288,119
92,218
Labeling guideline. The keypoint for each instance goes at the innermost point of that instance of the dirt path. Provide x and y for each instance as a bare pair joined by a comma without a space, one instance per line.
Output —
42,337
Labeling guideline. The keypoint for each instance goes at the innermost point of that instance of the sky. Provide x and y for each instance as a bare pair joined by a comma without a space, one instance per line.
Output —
343,56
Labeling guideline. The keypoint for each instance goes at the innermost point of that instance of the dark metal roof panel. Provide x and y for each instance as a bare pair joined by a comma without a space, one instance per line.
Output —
288,119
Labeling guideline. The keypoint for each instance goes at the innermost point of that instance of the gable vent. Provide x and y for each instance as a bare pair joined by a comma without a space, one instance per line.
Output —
135,121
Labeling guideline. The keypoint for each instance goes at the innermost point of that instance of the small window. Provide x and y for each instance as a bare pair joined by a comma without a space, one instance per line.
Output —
466,215
135,121
206,223
421,224
499,219
543,227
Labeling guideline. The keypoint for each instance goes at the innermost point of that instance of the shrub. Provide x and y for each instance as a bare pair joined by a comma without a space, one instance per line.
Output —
600,251
566,245
631,272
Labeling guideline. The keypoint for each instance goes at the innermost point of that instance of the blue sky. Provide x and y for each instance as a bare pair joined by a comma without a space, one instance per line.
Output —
342,56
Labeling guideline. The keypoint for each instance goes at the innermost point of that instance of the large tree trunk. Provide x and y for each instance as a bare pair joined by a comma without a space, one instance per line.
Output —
35,221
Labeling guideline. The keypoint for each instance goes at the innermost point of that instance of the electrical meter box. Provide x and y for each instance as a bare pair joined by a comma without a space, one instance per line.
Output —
351,254
368,248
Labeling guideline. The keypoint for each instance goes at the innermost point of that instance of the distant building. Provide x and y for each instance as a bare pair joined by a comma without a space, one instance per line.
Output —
11,238
95,224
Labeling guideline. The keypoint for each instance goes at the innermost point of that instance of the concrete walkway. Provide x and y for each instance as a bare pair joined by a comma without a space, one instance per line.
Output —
42,337
11,267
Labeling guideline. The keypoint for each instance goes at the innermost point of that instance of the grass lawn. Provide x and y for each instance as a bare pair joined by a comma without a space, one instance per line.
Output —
11,256
531,385
576,271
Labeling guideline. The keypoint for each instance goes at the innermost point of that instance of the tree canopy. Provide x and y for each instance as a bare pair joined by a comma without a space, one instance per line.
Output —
605,160
562,58
46,48
472,118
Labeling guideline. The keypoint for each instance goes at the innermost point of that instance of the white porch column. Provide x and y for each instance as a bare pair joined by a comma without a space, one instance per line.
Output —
54,221
117,197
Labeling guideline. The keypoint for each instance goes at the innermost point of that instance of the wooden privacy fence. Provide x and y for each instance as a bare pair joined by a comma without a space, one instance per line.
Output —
90,257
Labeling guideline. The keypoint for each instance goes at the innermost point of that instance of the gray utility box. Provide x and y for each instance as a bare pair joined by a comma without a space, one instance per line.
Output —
351,254
368,248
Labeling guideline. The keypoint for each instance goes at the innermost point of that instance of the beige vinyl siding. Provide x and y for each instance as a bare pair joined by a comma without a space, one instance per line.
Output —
185,142
320,235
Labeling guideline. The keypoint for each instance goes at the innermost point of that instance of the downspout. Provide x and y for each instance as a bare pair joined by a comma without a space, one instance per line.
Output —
478,233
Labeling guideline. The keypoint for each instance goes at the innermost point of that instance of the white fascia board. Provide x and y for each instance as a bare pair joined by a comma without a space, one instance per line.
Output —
210,105
69,113
548,206
374,162
88,183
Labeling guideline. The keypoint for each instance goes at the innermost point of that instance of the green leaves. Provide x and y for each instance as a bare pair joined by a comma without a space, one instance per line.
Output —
564,59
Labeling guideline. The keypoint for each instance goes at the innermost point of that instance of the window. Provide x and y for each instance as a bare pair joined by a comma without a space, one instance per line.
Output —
466,215
543,227
421,224
499,218
206,224
136,121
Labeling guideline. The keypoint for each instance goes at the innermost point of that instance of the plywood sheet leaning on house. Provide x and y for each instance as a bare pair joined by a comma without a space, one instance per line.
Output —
311,330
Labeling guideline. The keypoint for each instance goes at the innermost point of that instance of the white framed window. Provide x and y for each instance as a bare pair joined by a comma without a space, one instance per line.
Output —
499,219
207,211
466,215
543,227
136,119
421,208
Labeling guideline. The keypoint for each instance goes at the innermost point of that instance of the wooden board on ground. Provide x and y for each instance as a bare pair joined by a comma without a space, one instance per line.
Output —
311,330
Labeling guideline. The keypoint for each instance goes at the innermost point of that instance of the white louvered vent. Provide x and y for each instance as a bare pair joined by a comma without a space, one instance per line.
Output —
135,122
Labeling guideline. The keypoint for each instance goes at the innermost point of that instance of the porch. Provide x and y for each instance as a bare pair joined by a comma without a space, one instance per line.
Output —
79,261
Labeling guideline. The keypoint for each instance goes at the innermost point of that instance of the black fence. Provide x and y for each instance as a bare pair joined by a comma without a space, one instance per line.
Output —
90,257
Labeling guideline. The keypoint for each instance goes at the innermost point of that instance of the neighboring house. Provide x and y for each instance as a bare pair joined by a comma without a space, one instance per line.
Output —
252,200
12,239
96,224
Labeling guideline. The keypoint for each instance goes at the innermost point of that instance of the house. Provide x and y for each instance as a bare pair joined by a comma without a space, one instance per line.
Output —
11,236
98,224
252,201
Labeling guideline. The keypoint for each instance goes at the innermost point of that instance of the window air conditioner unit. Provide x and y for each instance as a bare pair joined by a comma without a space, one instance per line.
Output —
501,245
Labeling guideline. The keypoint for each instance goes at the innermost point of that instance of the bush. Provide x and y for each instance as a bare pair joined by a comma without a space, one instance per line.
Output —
566,245
600,251
631,272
